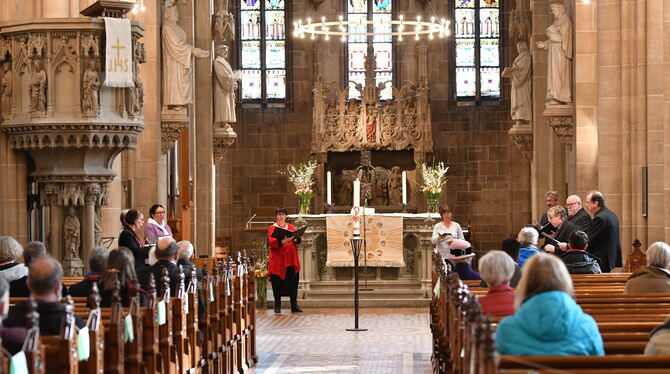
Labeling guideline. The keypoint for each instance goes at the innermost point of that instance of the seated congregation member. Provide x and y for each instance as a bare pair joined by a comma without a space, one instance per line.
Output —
121,263
186,253
655,277
12,337
527,239
511,247
97,263
167,252
659,340
44,280
576,259
129,237
547,321
460,253
497,268
10,251
157,226
31,252
445,232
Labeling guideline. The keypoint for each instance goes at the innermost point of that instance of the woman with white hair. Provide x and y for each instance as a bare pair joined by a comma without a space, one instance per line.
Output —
10,251
547,321
528,239
655,277
496,269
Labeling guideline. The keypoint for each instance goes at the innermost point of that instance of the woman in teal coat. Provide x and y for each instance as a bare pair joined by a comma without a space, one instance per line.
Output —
547,321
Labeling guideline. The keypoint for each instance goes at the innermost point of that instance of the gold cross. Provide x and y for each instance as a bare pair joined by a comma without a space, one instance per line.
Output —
118,48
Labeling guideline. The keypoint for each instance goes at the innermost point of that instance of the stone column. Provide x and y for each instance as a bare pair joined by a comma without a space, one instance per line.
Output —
203,134
92,197
51,192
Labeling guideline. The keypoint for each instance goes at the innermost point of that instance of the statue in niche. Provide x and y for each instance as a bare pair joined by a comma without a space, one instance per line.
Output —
97,232
371,124
519,73
6,90
71,233
91,88
177,53
559,56
380,191
224,87
38,89
395,186
344,187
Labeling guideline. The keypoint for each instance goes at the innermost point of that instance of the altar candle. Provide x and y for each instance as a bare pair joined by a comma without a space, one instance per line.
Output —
404,187
357,192
329,194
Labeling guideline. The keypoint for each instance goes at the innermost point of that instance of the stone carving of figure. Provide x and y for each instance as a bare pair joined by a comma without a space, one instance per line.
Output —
345,190
559,56
38,89
224,87
91,85
6,90
371,125
380,196
519,73
71,232
395,186
177,78
137,92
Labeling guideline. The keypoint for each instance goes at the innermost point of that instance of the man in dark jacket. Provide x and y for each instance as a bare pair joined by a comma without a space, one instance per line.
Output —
576,259
97,263
550,200
577,214
186,254
44,281
12,338
31,252
604,240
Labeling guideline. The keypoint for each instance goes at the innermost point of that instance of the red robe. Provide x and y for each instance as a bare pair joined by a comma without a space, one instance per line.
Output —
282,256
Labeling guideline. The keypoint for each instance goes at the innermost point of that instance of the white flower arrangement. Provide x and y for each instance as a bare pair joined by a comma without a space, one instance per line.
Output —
302,176
434,177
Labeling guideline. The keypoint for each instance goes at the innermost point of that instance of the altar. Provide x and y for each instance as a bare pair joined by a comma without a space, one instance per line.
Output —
404,283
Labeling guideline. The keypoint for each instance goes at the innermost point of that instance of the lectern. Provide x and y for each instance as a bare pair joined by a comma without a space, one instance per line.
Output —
356,243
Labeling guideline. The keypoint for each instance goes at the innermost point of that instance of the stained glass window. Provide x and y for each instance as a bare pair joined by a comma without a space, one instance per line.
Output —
477,49
381,45
263,54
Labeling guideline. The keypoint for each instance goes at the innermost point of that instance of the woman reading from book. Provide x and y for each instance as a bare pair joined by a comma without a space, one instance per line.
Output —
283,264
445,232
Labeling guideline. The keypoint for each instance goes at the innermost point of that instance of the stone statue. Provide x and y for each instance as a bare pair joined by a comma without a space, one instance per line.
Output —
395,186
519,73
137,92
224,87
559,56
345,190
371,124
91,88
71,232
177,78
38,89
6,90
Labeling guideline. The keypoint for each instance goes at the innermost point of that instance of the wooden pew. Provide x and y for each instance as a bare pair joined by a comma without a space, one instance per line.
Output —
61,350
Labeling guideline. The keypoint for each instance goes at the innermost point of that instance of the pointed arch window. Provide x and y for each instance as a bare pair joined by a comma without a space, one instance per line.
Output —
477,49
357,45
263,50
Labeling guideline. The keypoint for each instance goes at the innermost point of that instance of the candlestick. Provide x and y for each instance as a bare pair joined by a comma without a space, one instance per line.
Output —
329,194
404,188
357,192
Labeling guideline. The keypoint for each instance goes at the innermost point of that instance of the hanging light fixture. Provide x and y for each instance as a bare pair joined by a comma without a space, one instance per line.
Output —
139,6
341,28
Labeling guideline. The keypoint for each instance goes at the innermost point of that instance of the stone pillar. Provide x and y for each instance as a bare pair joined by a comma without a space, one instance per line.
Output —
51,192
203,134
92,197
56,8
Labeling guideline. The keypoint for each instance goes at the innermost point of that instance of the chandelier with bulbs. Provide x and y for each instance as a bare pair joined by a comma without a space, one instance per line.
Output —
139,6
394,27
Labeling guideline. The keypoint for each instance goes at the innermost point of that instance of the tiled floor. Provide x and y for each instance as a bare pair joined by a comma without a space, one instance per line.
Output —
397,341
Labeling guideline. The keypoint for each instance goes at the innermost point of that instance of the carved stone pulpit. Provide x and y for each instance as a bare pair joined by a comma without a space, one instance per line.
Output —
55,108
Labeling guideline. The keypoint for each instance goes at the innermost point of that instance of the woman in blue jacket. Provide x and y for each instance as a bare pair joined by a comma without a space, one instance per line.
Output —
547,321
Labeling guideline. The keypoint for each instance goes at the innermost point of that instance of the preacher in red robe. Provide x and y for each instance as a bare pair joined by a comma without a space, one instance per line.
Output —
284,263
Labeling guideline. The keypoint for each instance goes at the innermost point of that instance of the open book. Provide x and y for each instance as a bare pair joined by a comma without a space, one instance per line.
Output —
280,233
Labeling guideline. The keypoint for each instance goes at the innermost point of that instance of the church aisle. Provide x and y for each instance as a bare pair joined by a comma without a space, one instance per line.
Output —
397,341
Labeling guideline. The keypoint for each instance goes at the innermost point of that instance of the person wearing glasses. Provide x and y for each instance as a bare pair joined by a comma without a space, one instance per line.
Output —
157,226
550,200
577,214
